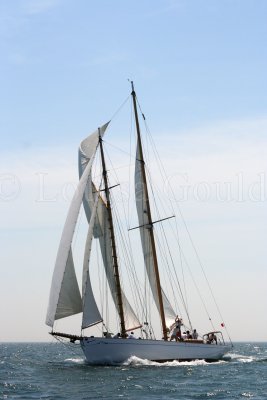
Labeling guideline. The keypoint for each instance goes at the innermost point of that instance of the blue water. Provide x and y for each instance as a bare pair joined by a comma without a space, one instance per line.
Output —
58,371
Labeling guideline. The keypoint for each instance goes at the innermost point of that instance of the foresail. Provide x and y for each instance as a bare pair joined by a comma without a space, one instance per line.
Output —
91,314
65,298
146,243
69,301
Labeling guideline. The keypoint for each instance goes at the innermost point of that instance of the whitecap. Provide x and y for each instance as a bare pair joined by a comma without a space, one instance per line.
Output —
246,360
241,358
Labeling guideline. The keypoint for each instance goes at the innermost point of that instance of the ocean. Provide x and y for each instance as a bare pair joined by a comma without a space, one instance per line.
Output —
58,371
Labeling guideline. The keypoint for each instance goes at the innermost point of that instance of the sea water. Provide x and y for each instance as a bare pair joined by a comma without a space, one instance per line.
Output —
59,371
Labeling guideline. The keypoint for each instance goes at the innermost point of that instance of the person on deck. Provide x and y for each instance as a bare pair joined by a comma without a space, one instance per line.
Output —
176,329
212,338
131,336
117,336
194,334
188,335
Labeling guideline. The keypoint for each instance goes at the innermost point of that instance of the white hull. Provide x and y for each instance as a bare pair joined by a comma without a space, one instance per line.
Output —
111,351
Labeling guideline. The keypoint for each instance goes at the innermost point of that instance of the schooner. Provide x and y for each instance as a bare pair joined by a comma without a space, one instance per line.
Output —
66,299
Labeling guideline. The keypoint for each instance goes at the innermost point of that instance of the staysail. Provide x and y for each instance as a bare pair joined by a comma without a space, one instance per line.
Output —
131,320
102,232
65,298
144,226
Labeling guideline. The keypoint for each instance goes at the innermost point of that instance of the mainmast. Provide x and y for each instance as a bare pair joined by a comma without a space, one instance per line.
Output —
148,211
113,242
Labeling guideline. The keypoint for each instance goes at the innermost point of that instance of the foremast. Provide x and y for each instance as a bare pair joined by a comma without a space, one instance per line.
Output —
148,211
113,241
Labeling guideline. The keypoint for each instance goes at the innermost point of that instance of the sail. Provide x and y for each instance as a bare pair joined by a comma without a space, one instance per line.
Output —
85,153
91,314
65,298
102,232
146,242
69,301
131,320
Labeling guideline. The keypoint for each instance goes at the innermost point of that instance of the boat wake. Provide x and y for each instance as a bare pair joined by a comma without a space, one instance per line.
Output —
135,361
76,360
139,362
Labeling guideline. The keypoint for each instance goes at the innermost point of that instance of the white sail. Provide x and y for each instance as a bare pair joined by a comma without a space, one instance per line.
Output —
65,298
91,314
146,242
69,300
85,153
131,320
102,232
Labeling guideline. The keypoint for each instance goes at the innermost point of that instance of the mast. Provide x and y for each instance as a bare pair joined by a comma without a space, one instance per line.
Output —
113,242
150,222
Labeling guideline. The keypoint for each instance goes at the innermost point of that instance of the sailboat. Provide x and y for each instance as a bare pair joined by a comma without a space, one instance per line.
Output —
66,299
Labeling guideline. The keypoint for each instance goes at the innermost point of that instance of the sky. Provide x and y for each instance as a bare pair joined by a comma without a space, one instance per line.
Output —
199,68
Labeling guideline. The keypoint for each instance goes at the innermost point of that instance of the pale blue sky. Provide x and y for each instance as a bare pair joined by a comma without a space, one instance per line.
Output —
197,60
199,68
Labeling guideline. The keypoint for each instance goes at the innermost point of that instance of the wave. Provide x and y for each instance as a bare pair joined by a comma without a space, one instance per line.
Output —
240,358
245,359
262,360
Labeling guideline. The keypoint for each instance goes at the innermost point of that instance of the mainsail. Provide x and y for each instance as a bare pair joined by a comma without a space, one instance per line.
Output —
144,226
65,298
102,232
